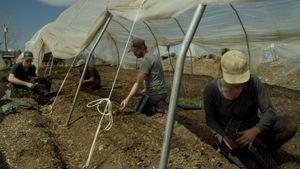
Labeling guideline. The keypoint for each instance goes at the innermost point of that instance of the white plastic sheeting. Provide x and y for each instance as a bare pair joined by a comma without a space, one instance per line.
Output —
273,28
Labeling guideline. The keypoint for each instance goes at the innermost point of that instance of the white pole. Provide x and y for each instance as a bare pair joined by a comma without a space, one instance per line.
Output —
176,84
85,67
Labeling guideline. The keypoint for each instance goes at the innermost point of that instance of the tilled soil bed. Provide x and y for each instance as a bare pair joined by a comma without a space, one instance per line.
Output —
40,139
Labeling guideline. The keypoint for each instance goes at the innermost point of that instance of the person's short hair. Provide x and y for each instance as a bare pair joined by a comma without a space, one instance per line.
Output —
138,43
234,67
27,55
224,50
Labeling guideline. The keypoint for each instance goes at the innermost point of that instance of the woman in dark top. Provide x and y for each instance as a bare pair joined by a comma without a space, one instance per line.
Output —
91,79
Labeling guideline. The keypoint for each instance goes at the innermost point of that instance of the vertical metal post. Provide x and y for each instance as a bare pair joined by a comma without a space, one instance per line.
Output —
169,57
157,46
245,32
5,30
189,48
176,84
41,52
86,65
51,66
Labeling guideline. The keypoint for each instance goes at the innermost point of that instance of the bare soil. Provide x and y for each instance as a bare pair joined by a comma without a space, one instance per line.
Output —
40,139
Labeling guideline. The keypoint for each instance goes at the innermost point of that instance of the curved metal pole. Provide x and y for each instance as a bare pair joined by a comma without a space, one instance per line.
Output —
48,64
123,27
176,84
153,37
86,65
51,66
169,57
115,46
136,66
245,32
41,52
189,47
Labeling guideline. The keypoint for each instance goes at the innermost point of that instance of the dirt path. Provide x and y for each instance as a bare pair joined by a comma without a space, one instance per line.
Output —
34,139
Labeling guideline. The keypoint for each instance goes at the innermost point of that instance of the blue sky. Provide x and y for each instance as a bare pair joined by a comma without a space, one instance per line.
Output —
25,17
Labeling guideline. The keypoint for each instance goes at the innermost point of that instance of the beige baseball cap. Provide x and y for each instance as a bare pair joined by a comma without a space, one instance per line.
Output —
234,67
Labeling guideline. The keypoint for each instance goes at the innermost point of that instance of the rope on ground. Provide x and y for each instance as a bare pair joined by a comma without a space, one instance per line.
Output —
107,110
108,107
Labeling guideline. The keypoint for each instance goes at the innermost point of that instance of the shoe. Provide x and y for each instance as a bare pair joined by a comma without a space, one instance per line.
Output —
50,95
161,110
44,101
161,107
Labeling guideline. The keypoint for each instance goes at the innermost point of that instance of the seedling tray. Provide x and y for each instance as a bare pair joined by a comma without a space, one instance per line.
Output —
187,104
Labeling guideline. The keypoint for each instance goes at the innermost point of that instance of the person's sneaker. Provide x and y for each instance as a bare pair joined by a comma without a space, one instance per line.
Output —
44,101
50,95
161,110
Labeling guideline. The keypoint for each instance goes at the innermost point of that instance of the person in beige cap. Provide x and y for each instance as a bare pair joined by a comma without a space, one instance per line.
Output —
231,103
151,72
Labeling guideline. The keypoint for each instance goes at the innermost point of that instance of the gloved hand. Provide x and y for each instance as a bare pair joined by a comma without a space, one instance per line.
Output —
230,143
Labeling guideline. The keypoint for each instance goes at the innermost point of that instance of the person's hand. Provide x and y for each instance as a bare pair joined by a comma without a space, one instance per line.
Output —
33,79
124,104
230,143
248,136
30,85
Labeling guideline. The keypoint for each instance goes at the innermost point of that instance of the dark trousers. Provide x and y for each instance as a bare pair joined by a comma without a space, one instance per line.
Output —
283,129
37,93
45,82
152,102
95,85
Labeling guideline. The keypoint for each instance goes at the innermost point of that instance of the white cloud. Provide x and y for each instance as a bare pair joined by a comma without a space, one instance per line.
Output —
58,2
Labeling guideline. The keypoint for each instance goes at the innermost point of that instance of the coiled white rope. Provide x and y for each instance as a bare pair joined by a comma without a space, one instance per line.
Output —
106,113
107,110
108,107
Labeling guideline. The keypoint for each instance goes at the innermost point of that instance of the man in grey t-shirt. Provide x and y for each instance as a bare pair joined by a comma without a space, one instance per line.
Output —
151,72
